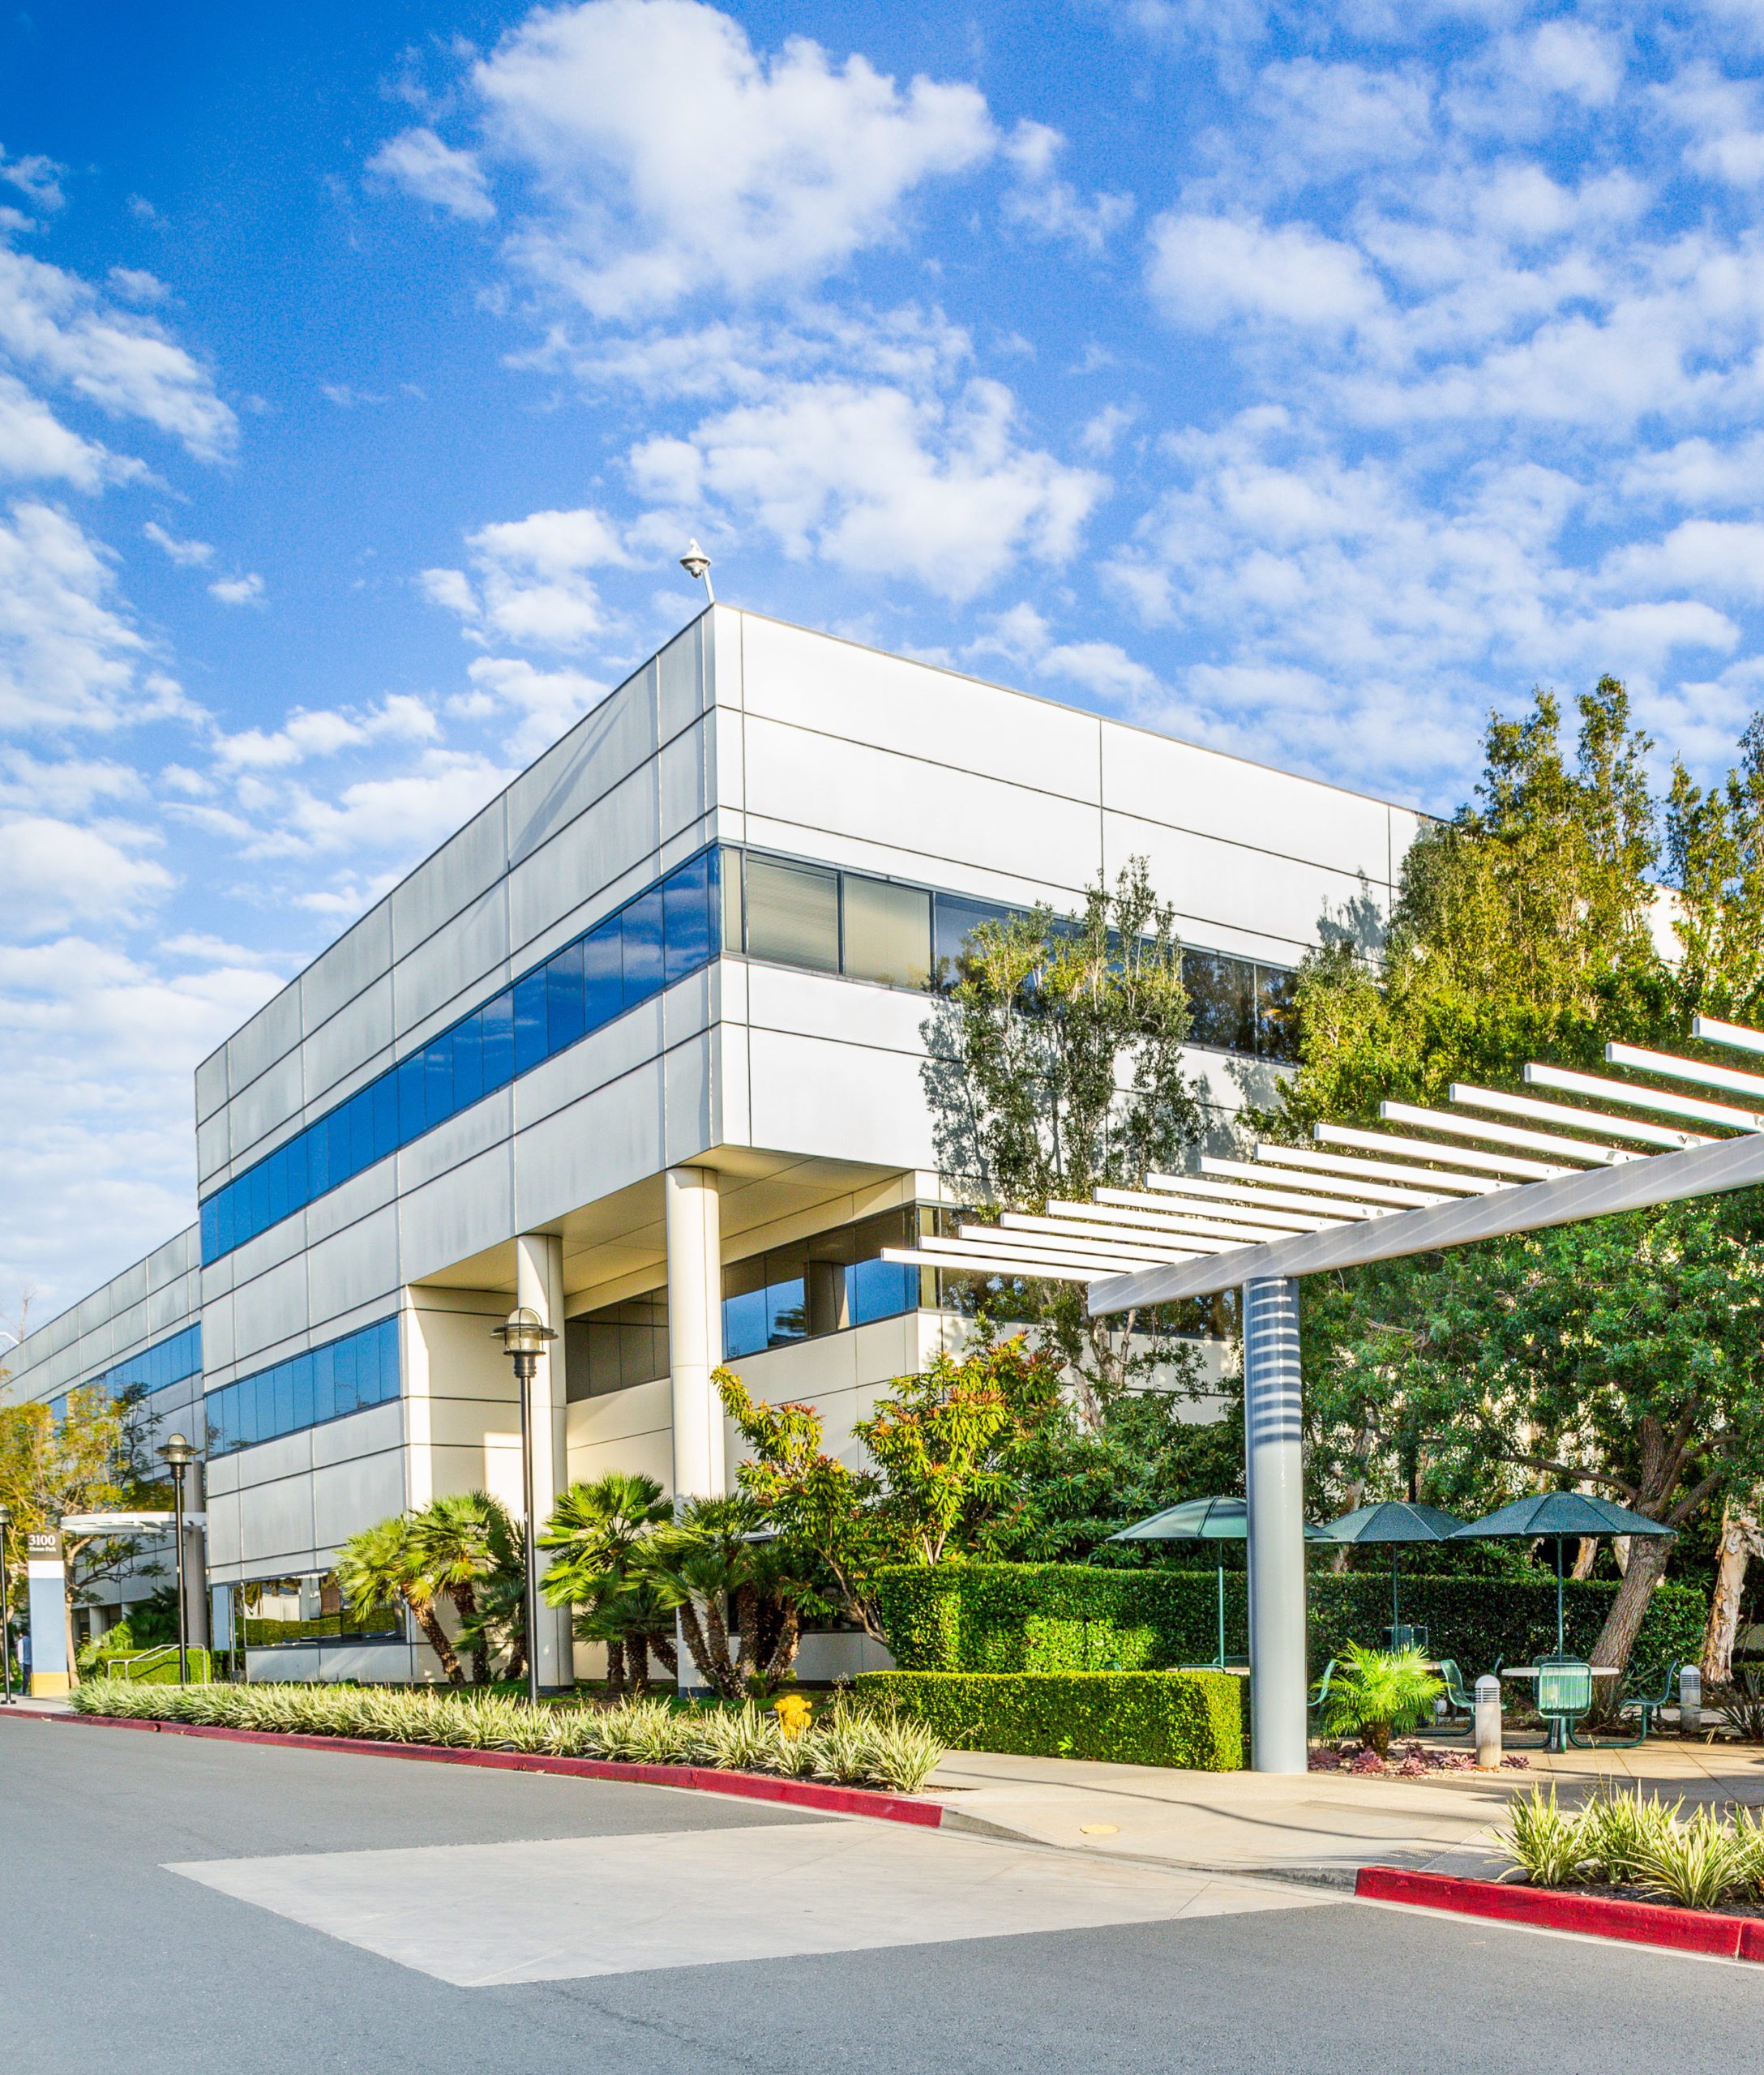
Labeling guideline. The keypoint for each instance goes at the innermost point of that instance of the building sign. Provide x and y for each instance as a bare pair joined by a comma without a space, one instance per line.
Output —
44,1548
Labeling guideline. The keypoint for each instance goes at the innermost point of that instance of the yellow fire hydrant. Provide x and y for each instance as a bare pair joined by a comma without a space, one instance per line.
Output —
793,1714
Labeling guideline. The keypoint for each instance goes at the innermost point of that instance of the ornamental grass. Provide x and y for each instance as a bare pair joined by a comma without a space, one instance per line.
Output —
1638,1842
849,1745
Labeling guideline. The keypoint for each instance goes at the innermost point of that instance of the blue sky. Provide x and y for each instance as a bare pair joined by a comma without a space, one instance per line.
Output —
1299,379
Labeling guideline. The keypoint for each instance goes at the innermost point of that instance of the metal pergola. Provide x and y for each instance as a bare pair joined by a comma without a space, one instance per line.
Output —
1491,1164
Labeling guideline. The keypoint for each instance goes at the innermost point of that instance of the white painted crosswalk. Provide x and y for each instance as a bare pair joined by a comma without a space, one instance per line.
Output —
562,1908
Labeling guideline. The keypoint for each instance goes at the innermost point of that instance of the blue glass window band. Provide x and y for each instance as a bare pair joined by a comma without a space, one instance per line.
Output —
660,936
326,1383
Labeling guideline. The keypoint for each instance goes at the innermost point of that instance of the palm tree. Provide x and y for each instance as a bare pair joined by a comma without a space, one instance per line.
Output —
597,1530
715,1556
465,1539
382,1566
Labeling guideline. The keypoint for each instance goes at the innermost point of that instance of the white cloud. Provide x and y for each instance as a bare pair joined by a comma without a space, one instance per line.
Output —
883,483
406,814
187,554
245,590
531,585
546,703
308,733
57,326
1102,433
35,176
420,162
96,1052
69,658
667,156
58,872
135,285
34,444
1209,271
1042,201
1724,122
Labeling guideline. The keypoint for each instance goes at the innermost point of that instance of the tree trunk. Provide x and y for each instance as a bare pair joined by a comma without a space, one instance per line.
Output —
1585,1557
436,1636
662,1646
67,1617
1647,1565
720,1672
465,1604
1741,1539
637,1661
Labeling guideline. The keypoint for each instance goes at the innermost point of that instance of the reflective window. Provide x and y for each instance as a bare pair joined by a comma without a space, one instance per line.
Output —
618,1346
665,933
887,932
326,1383
957,919
306,1609
1222,992
819,1286
793,914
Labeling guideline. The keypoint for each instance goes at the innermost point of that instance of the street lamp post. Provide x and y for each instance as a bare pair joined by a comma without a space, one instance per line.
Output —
6,1611
177,1454
523,1336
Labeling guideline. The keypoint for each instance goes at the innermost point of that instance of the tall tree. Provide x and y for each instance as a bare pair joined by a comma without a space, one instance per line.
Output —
383,1566
597,1530
1521,930
1054,1066
1527,927
80,1463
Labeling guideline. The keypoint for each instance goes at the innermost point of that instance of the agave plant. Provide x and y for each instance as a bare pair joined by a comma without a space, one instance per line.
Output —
1617,1830
1546,1842
1699,1863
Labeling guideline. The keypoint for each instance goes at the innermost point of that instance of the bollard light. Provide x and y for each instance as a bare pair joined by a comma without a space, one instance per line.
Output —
1689,1700
1488,1723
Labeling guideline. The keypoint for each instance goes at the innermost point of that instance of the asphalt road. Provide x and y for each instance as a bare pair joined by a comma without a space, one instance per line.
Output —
618,1907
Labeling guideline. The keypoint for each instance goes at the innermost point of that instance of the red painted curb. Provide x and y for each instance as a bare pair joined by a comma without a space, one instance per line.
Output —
1599,1916
700,1779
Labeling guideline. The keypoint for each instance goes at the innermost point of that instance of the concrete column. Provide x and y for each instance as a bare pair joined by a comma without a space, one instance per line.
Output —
46,1582
1278,1682
539,1285
694,1329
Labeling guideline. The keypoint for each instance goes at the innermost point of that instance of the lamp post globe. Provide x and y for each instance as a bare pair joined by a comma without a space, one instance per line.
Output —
178,1454
525,1336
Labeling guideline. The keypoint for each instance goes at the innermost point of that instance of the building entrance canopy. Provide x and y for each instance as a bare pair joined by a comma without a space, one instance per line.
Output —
1492,1164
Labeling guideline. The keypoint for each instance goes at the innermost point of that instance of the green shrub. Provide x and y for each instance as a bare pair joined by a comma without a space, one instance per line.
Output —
157,1667
1193,1719
1070,1617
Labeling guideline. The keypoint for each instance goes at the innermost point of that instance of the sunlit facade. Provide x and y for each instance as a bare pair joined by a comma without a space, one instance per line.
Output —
641,1045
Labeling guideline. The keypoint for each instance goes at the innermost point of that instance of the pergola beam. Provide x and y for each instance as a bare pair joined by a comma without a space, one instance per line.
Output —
1736,1163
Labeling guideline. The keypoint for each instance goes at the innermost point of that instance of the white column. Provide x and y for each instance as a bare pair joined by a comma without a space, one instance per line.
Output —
694,1329
539,1285
1279,1682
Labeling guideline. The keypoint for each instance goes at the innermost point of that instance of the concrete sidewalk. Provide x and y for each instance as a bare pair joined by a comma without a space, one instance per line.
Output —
1322,1827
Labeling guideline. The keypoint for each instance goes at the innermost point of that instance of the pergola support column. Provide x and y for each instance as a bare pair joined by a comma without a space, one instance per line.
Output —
1274,1471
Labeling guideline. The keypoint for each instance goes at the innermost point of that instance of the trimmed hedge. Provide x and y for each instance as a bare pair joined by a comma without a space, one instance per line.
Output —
1191,1719
115,1664
1071,1617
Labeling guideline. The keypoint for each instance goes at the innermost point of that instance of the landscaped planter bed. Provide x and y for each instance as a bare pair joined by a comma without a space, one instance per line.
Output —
1734,1933
703,1779
1407,1760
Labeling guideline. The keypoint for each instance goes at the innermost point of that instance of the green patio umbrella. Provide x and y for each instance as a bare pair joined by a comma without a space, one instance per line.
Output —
1203,1520
1557,1515
1394,1521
